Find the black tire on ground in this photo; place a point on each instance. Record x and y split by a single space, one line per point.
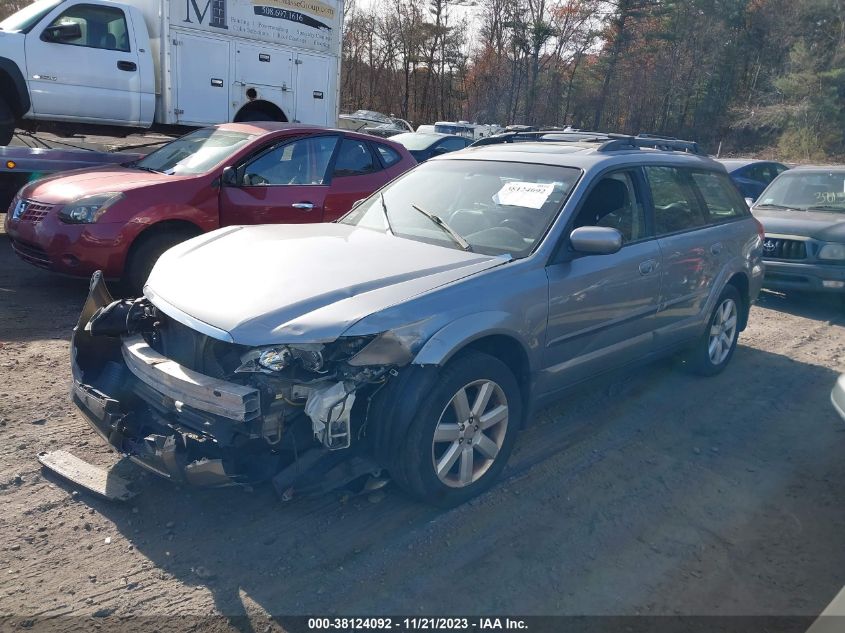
7 123
254 115
144 254
710 355
471 372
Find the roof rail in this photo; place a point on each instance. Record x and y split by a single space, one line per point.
609 142
621 142
544 136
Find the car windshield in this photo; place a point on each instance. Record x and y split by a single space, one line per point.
807 190
196 152
416 140
23 20
488 207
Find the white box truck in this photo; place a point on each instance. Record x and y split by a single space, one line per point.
138 63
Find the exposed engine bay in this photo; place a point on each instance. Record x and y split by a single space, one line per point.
195 408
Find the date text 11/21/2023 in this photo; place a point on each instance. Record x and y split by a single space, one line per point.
417 624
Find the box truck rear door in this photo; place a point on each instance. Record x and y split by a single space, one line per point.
202 80
315 89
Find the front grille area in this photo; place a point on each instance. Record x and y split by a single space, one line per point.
195 350
35 211
776 248
32 254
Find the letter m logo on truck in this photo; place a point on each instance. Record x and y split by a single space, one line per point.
218 12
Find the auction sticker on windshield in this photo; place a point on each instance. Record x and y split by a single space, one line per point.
531 195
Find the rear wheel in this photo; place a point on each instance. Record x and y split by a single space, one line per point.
145 253
7 123
463 434
716 347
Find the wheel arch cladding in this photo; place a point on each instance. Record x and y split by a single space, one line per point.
740 282
13 87
511 352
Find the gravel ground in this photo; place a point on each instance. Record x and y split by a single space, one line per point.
655 492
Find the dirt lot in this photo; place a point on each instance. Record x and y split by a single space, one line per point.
653 493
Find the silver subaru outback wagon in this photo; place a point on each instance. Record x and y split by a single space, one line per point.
420 332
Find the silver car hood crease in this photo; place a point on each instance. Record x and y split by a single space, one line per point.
301 283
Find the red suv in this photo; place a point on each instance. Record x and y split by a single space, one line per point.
120 219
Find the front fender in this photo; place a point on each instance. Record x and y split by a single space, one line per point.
443 344
19 102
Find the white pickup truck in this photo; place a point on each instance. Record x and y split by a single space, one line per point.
137 63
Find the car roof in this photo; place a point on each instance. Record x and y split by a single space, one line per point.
584 155
732 164
818 168
262 128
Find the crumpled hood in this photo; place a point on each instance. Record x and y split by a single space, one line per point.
68 186
822 225
292 283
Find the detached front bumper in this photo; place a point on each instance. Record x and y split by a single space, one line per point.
134 398
815 277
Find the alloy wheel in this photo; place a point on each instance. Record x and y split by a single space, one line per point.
468 437
722 331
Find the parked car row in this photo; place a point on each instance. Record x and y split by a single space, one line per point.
119 219
389 318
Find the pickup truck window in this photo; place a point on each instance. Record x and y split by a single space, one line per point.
100 27
195 153
23 20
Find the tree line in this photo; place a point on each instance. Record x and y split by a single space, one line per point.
744 75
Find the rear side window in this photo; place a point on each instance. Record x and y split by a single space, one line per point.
720 196
676 206
389 156
354 159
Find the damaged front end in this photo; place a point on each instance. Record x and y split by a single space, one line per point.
194 408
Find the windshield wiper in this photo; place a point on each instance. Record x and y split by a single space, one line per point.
386 215
442 224
771 206
149 169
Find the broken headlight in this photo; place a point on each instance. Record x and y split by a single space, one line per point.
279 357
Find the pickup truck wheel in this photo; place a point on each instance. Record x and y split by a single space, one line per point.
463 434
712 353
144 255
7 123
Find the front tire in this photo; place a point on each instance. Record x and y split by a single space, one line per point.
712 353
145 254
7 123
461 437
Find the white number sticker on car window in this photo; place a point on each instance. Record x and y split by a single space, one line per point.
531 195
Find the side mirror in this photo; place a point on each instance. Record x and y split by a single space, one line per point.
357 203
230 177
596 240
62 32
749 202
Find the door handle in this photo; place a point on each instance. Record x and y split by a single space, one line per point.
647 267
127 66
305 206
716 248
